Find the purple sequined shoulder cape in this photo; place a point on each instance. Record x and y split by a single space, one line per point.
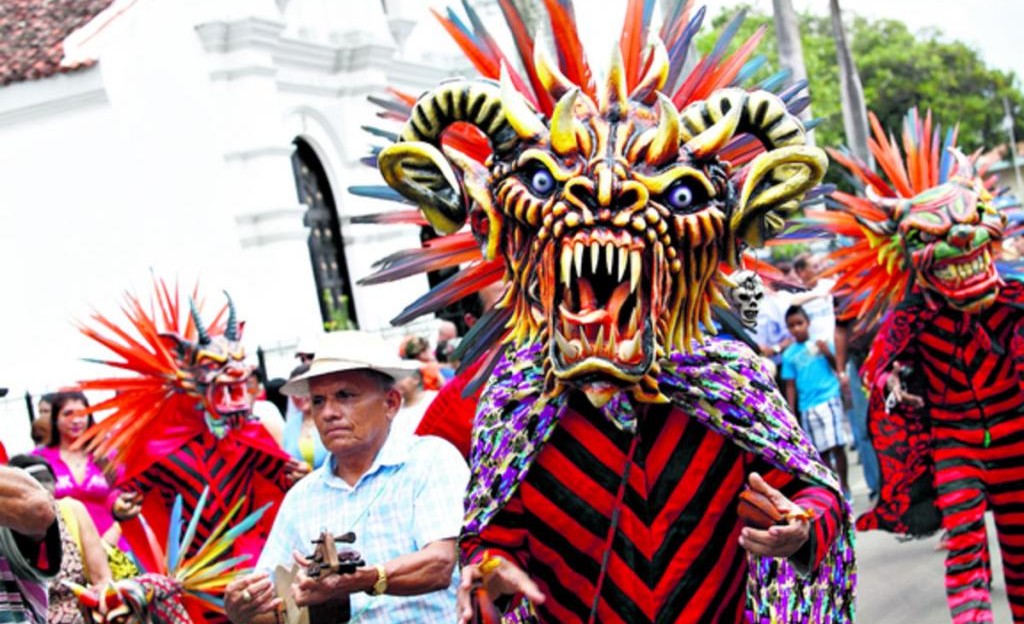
724 386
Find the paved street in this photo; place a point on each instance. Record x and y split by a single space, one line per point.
902 583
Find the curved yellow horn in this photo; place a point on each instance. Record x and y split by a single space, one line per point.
554 81
563 123
613 98
707 126
665 144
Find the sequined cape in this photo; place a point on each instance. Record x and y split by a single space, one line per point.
721 384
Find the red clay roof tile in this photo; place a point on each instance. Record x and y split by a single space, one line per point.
32 34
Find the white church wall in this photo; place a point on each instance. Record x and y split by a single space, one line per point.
172 157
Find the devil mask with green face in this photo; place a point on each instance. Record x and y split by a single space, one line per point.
929 227
948 235
613 214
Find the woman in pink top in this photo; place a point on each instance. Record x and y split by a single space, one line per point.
77 474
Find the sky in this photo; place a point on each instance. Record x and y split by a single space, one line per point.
993 27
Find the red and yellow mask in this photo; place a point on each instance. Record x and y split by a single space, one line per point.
212 369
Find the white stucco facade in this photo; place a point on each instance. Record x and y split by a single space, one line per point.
172 157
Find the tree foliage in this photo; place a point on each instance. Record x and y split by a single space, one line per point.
899 70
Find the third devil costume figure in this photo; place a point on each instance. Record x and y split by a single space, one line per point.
946 369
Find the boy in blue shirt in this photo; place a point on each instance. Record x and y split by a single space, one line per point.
813 391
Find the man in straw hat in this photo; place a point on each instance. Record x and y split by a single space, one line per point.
401 495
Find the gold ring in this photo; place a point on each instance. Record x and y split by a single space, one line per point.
246 596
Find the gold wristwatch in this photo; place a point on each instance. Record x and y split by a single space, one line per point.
381 586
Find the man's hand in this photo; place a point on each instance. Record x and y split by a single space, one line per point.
777 541
25 507
127 506
249 596
822 346
313 591
296 470
504 579
894 384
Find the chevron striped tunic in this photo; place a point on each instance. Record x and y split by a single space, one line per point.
675 555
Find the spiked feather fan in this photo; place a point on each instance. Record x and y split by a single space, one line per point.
152 396
195 582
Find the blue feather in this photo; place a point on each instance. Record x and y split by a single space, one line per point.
727 35
390 104
384 134
648 12
246 524
214 600
798 105
457 21
750 68
811 124
193 524
946 163
174 535
482 336
679 49
775 81
792 90
217 568
377 191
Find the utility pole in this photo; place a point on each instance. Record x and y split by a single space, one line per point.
855 118
1008 120
791 49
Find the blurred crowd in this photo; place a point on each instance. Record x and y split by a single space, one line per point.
361 421
389 399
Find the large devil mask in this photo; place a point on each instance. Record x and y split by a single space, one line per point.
612 216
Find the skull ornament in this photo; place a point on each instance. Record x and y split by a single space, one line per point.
746 297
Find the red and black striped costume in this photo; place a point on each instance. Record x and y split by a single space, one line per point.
548 493
965 449
676 555
244 464
181 422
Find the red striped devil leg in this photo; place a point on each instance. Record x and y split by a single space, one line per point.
967 569
1009 516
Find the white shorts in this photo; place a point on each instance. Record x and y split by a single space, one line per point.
825 424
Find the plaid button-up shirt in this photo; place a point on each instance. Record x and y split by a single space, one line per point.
411 496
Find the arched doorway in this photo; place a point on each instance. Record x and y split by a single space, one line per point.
326 246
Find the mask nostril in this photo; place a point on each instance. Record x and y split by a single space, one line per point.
628 198
581 193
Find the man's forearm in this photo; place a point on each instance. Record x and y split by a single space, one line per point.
25 507
421 572
842 339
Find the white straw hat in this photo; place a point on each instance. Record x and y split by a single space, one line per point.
341 351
